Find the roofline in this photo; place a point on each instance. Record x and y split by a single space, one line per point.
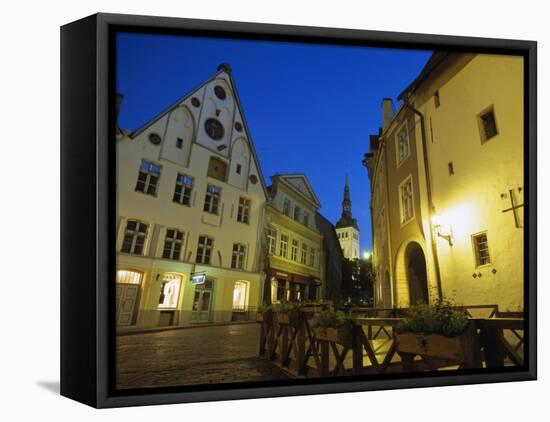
435 60
174 105
279 175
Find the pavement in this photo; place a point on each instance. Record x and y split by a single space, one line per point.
202 355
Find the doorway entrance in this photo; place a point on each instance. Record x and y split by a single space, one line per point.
127 292
416 274
202 302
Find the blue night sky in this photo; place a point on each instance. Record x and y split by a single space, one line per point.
310 108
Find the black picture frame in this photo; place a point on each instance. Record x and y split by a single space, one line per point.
88 206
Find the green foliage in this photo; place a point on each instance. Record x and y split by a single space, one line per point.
285 307
264 308
329 319
441 318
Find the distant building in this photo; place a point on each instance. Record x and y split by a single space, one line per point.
191 200
332 252
294 244
347 229
447 185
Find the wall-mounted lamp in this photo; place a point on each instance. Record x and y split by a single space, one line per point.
440 230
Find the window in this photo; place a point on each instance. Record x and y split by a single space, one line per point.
481 248
183 189
212 199
406 193
204 250
169 291
217 169
148 177
451 168
134 237
237 258
312 257
128 277
239 296
297 213
306 218
487 124
239 167
402 145
294 250
243 214
303 257
283 246
179 143
436 99
172 244
286 207
281 288
271 241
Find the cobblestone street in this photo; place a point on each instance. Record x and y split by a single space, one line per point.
202 355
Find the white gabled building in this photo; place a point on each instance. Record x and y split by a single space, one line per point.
191 200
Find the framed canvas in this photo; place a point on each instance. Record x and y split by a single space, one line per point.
210 249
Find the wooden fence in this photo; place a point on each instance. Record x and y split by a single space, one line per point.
369 346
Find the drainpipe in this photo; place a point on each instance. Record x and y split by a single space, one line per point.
429 192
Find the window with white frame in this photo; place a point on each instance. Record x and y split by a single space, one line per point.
297 213
403 148
243 213
183 190
306 218
172 244
294 250
481 248
283 245
406 200
286 207
303 257
238 255
271 240
134 237
312 257
148 177
204 250
212 199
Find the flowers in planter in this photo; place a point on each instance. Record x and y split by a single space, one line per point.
329 319
441 318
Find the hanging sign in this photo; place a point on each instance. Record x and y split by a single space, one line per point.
198 278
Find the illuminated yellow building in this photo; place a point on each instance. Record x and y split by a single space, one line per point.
447 183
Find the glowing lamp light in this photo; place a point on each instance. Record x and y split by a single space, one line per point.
441 230
366 255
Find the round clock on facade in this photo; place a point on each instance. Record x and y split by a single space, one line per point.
220 92
195 101
214 128
154 138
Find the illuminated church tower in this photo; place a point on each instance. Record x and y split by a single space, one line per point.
347 229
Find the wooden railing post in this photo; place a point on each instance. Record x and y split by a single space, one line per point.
301 344
357 350
324 369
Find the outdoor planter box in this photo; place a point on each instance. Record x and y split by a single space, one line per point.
341 335
459 348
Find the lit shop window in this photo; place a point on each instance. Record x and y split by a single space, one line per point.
128 277
169 291
239 296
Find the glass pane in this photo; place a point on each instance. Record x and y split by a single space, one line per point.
205 301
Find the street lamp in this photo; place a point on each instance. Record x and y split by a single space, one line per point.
366 255
441 230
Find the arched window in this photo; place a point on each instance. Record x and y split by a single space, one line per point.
239 296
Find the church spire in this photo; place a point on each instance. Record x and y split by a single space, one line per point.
346 220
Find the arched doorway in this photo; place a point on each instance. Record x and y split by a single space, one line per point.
415 264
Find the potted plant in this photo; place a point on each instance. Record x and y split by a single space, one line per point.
439 331
264 314
329 325
287 312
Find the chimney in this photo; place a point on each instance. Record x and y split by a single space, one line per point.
387 112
